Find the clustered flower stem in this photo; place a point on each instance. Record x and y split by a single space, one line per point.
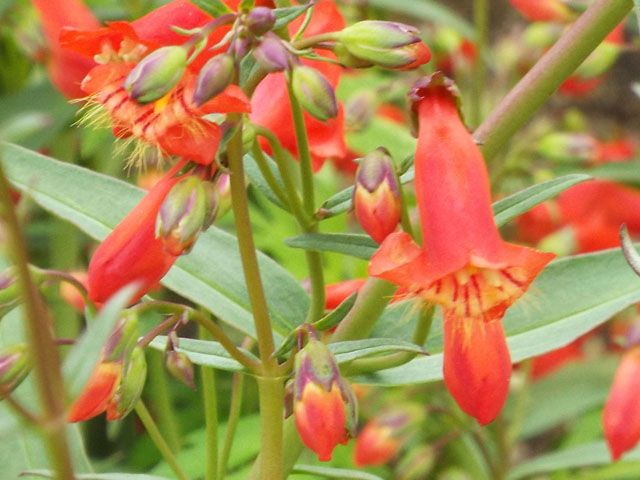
530 93
39 332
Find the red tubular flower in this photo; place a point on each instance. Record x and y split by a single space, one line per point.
66 69
336 293
463 265
621 414
543 10
96 396
131 252
270 102
375 445
174 123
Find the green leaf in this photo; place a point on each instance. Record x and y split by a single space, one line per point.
85 354
329 472
353 244
211 275
587 455
336 315
348 351
256 178
427 10
575 389
625 172
286 15
524 200
383 132
570 297
215 8
95 476
204 352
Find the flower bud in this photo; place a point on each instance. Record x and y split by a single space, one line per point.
130 388
568 147
15 364
182 215
383 436
325 407
156 74
212 204
387 44
98 392
376 196
600 60
314 92
348 60
621 414
69 292
223 186
216 75
416 465
180 367
260 20
271 54
123 338
359 110
9 291
241 45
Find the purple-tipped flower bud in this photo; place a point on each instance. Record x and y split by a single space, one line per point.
9 291
223 186
15 363
314 92
182 215
271 54
130 387
212 203
376 196
123 338
388 44
241 45
216 75
260 20
325 406
359 110
348 60
156 74
180 368
568 147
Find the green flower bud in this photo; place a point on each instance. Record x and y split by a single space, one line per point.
416 464
216 75
180 367
123 338
182 215
130 388
213 202
314 92
568 147
156 74
15 364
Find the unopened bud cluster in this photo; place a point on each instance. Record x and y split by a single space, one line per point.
178 363
189 208
15 364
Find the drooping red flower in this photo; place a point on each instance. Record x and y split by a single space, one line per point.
97 395
463 265
543 10
375 445
173 123
131 252
66 68
270 102
621 414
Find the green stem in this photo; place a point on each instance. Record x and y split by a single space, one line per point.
248 251
237 389
157 390
158 440
19 409
420 335
548 73
46 364
268 175
211 416
405 220
314 259
308 42
271 391
481 23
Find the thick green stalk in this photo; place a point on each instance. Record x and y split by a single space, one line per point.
158 440
210 415
549 73
46 366
314 259
248 251
481 23
158 393
271 390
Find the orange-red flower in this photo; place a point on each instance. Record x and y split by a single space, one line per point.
270 102
131 252
621 414
97 395
543 10
463 265
66 68
173 124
